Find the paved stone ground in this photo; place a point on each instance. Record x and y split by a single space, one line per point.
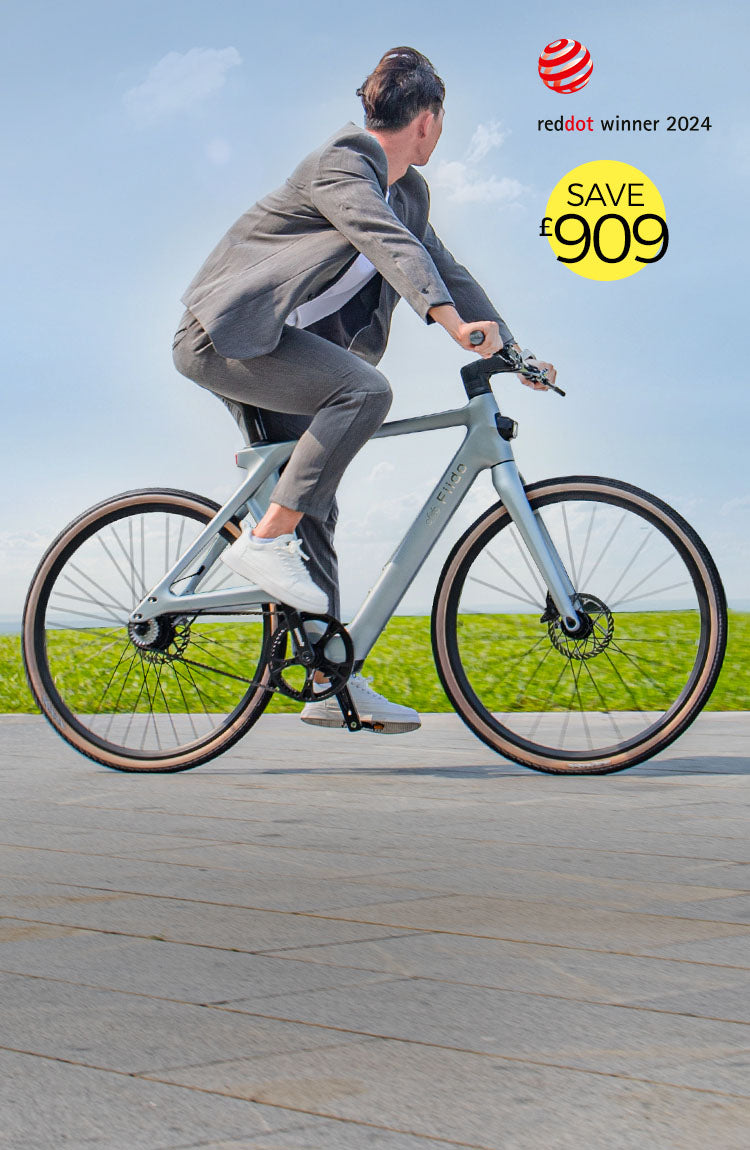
335 941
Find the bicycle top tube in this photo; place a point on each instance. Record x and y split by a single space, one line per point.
470 415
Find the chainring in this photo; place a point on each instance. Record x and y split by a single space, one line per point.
308 653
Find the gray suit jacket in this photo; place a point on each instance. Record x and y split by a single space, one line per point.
301 238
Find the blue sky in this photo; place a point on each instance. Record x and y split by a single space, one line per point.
138 132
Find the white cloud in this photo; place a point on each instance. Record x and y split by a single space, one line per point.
20 550
379 472
486 137
28 541
385 519
179 81
465 185
739 503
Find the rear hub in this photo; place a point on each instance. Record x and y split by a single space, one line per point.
160 640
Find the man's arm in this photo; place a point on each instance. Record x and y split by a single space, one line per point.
347 192
470 300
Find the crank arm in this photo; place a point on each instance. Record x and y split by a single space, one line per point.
352 720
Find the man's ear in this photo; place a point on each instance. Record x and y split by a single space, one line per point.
423 122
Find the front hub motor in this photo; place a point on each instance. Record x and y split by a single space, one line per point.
591 638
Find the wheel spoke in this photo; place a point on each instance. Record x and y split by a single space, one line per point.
129 560
123 653
194 643
570 547
115 710
513 579
659 591
629 593
638 664
166 702
605 709
594 509
196 688
188 711
604 551
550 698
529 565
128 582
106 610
107 594
643 544
503 591
84 615
147 667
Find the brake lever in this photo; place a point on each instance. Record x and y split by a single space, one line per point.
518 363
536 375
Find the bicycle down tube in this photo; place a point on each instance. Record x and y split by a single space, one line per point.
482 448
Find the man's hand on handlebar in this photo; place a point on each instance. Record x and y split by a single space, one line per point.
483 337
537 385
446 315
491 343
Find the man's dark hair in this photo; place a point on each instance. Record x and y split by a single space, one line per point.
403 84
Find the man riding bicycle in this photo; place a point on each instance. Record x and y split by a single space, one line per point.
290 313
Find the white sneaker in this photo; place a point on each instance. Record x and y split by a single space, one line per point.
386 718
277 568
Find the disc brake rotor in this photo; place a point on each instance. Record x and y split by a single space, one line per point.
596 637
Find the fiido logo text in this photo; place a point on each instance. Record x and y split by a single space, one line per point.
447 487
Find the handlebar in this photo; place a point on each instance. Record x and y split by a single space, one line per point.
476 375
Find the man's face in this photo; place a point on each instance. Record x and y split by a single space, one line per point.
433 126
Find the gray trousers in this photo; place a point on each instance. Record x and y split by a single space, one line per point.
307 389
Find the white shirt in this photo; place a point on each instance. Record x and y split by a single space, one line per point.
334 298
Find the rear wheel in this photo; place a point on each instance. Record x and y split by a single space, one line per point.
164 695
626 684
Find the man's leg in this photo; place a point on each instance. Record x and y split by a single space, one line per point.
346 398
316 534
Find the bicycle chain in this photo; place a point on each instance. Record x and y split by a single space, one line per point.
290 622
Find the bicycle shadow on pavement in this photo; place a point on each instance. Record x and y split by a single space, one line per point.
695 765
700 765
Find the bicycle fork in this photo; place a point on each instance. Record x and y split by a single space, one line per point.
509 487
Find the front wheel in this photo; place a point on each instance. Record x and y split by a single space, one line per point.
160 696
624 686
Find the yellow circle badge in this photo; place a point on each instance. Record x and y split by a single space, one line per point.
605 220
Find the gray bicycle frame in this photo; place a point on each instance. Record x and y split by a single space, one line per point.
482 447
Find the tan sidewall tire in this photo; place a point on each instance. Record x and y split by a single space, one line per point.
682 716
181 500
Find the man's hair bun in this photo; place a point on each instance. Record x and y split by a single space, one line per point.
403 84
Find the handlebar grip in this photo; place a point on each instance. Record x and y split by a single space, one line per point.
476 338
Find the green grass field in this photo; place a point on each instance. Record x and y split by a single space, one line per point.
402 667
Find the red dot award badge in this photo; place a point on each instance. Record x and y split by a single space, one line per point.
565 65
